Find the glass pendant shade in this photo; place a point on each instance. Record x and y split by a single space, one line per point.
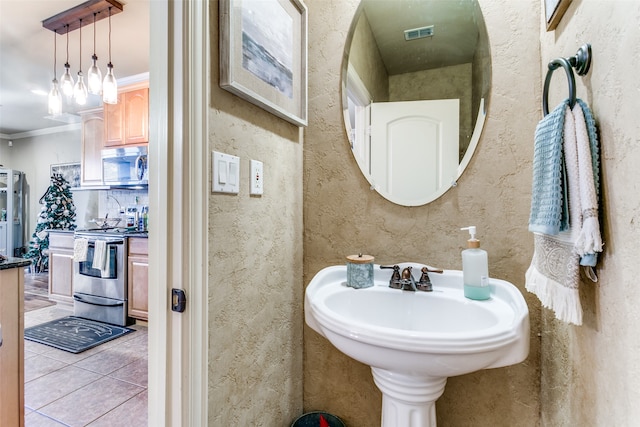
55 99
66 81
110 87
94 77
80 92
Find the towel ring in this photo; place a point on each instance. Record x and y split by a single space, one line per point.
581 61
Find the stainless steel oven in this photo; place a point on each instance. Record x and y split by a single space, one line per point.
101 294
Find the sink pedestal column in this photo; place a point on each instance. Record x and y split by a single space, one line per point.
408 400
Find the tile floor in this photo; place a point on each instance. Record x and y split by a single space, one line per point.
103 386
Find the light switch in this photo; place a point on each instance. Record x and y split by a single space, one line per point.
226 173
257 178
222 171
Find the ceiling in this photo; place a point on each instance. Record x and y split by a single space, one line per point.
454 40
26 58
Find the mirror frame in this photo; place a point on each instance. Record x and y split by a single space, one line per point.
475 136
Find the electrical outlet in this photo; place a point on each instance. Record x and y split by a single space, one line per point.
257 178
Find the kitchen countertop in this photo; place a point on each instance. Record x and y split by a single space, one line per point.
14 263
142 234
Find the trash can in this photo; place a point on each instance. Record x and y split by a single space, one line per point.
315 419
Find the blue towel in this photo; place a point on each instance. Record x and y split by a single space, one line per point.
549 202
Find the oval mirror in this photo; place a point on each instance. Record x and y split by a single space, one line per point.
415 86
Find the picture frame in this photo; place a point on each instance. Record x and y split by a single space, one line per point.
553 12
263 55
70 172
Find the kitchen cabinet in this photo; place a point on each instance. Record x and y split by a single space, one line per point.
92 142
12 347
127 122
138 278
61 266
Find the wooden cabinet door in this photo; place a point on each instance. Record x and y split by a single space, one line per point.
136 117
138 278
127 122
92 142
139 287
12 349
61 275
114 123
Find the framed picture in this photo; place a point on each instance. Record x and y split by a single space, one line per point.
553 11
70 172
263 55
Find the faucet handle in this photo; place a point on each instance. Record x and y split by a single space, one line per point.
424 284
394 282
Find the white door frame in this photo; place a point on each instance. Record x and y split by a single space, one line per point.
178 204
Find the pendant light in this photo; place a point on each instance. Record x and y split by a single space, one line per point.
94 76
55 99
80 90
110 85
66 81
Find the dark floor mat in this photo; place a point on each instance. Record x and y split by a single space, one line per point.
74 334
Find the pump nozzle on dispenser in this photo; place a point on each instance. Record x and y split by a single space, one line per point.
472 231
473 242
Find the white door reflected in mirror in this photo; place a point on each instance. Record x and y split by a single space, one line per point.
414 148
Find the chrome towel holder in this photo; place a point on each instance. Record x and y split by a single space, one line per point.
581 61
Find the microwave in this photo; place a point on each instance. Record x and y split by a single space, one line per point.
126 166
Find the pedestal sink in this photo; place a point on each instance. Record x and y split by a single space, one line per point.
414 341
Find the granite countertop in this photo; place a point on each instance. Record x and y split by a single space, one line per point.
11 262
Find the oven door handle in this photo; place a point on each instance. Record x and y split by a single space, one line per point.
89 301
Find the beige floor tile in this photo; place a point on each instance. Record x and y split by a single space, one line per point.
135 373
134 411
57 384
37 366
34 419
90 402
108 361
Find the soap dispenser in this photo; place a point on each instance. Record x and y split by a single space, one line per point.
475 269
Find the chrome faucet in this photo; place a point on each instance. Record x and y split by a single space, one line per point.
120 209
406 282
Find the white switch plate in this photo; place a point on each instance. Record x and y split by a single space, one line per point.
225 173
257 178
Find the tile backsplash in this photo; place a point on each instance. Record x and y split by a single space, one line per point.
97 203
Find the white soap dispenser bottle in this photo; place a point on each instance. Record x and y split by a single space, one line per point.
475 268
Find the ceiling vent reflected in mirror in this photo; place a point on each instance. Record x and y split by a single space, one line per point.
418 33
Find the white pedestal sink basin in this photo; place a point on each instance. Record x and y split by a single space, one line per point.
413 341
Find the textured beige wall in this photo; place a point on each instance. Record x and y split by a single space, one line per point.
367 62
591 373
342 216
255 295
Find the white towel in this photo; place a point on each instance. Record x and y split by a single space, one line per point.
80 249
104 271
99 254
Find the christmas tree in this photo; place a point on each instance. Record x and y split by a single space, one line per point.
58 213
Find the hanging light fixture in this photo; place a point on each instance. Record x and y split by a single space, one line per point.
55 99
80 90
94 76
66 81
70 20
110 85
